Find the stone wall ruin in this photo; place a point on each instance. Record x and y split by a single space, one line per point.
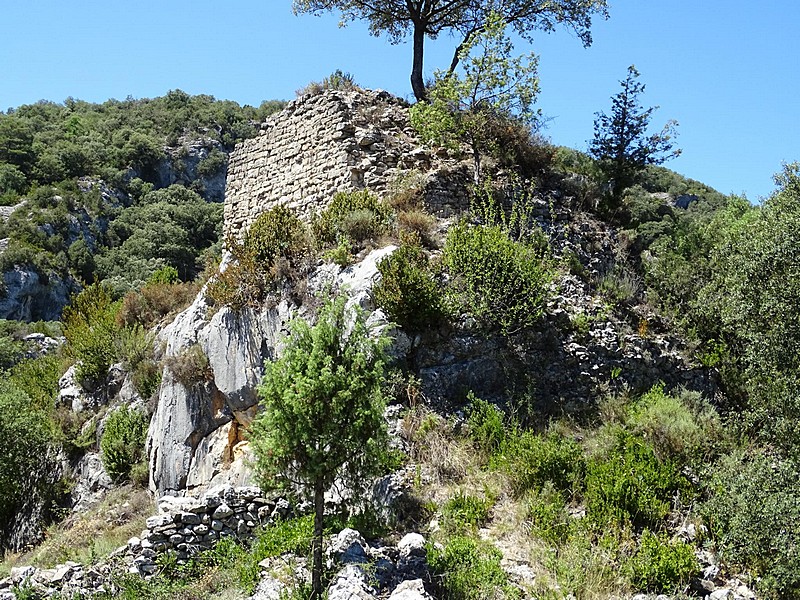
330 142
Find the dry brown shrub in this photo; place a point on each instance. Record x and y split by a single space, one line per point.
417 222
190 367
434 444
155 301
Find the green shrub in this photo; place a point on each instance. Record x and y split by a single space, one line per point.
407 290
38 378
338 80
548 516
678 426
754 517
351 217
10 352
497 280
272 251
339 255
290 536
629 484
26 461
660 564
122 443
470 570
464 512
90 328
276 233
486 426
532 460
164 275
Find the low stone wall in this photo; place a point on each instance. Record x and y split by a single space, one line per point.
189 525
183 525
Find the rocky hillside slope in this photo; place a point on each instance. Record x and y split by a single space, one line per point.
596 349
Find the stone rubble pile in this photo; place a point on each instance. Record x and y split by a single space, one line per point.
184 525
362 571
188 525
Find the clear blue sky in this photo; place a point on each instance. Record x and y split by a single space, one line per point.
726 71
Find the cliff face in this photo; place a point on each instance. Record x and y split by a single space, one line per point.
196 437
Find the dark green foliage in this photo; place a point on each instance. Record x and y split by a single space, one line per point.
12 183
122 443
322 412
497 280
10 352
470 570
351 217
46 146
748 297
630 485
754 515
169 227
276 233
486 426
327 384
26 455
407 290
661 565
621 144
90 328
532 460
464 512
338 80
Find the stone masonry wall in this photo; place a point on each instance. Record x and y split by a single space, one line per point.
329 142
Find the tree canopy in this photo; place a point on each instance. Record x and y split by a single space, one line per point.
463 18
621 144
491 88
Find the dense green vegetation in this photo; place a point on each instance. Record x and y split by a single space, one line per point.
90 176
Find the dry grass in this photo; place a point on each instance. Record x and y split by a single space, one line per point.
87 537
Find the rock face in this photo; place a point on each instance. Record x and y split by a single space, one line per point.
188 164
29 296
195 437
330 142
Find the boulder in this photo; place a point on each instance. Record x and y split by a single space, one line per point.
411 589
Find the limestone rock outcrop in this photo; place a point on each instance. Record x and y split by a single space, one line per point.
195 438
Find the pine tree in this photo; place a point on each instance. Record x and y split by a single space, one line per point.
621 144
321 418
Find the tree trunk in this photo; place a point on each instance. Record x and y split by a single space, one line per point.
477 174
319 515
417 81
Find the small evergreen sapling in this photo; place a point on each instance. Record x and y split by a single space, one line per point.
321 420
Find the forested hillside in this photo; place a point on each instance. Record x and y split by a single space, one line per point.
88 192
